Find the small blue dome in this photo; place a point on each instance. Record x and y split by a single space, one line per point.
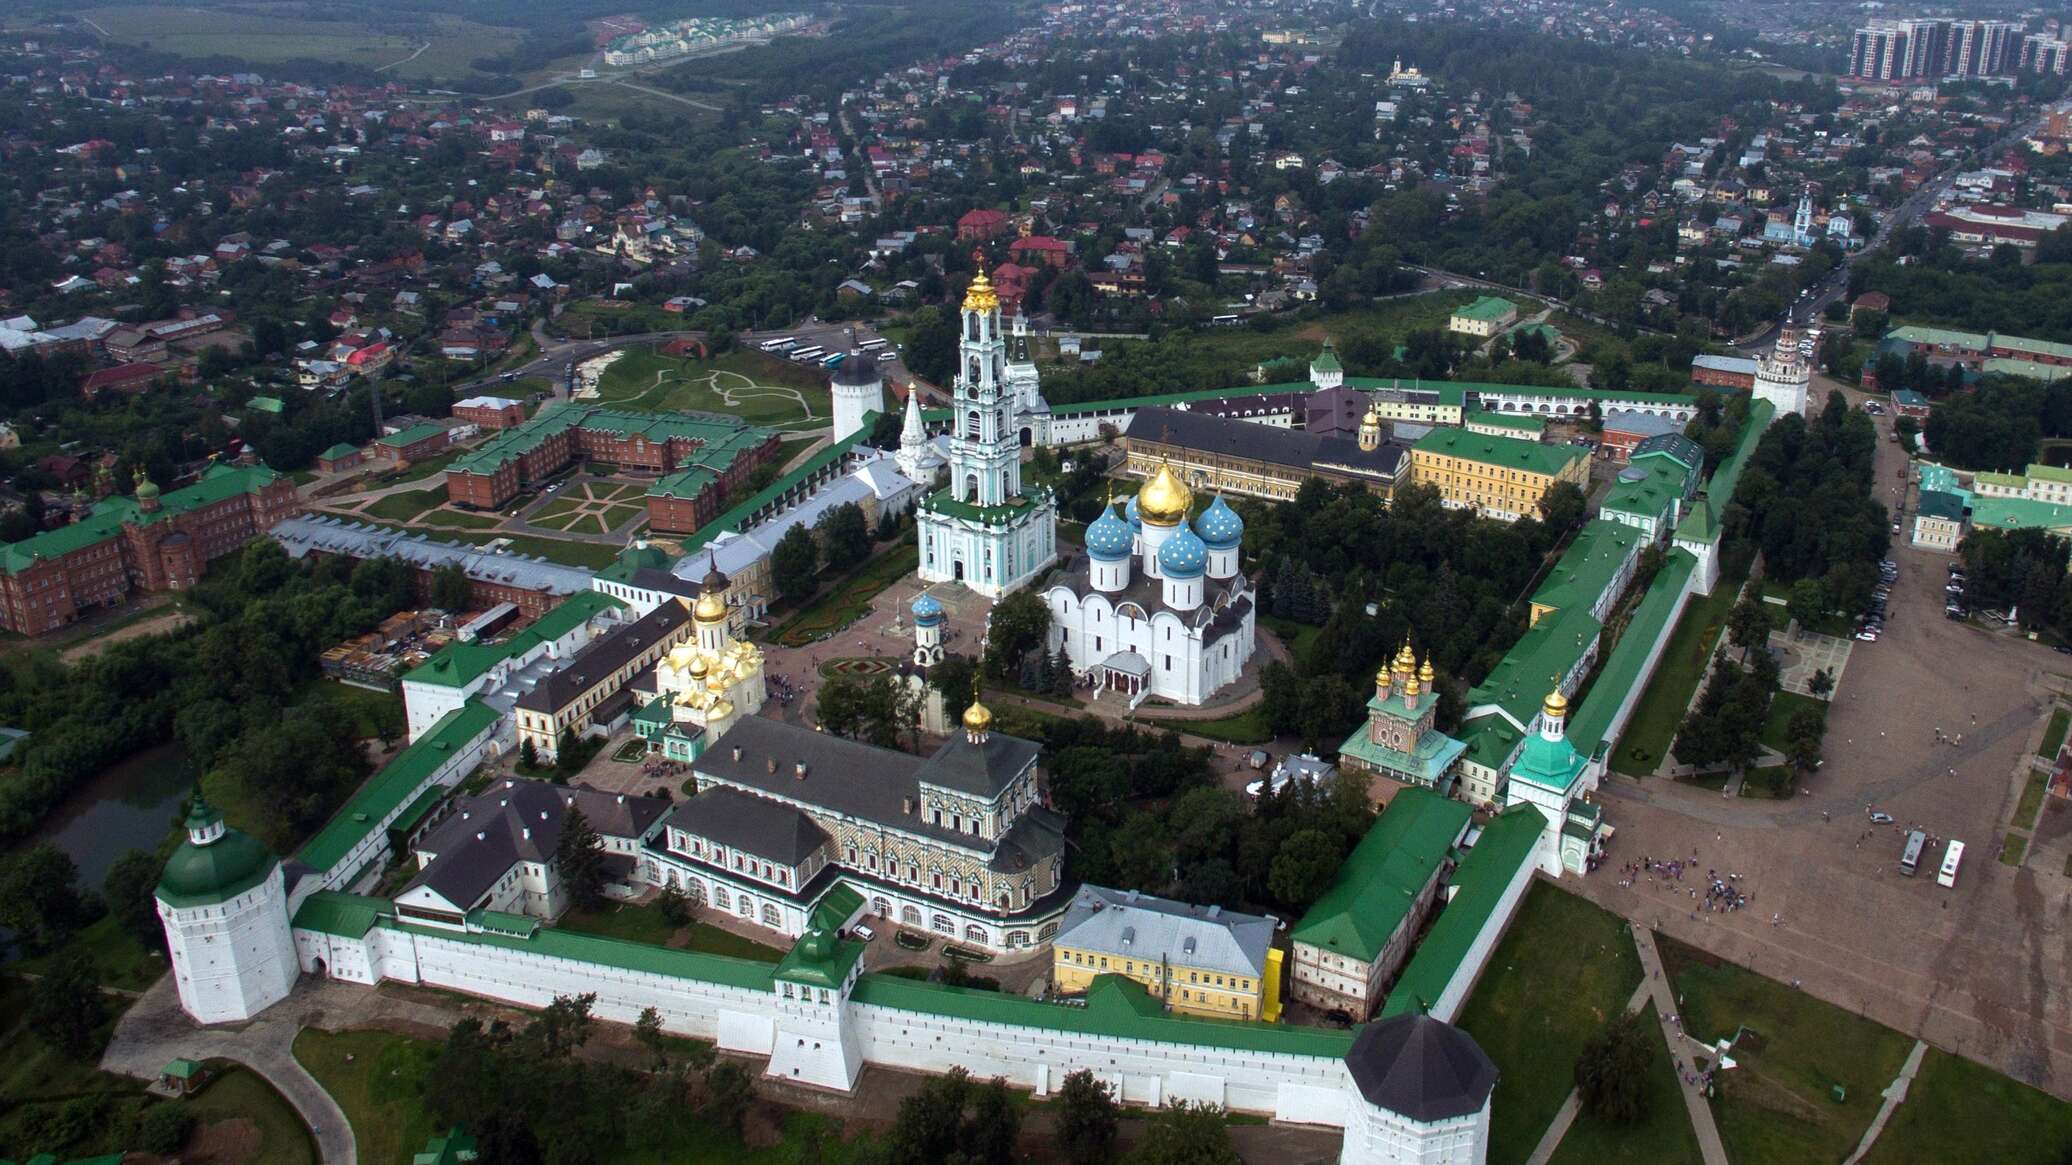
1108 537
1220 526
1184 555
927 610
1135 516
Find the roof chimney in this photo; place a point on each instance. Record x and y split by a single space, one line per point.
906 806
770 765
800 770
527 831
622 798
737 752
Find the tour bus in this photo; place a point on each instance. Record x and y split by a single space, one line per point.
808 355
1910 861
872 345
779 344
1952 858
1223 321
834 361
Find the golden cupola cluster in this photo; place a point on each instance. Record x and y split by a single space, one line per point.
1165 500
980 296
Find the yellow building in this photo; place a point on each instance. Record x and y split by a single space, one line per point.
1498 477
1202 960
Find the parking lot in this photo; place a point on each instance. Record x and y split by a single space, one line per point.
1933 727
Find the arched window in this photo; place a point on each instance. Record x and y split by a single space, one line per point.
941 922
719 897
910 916
974 933
770 915
881 908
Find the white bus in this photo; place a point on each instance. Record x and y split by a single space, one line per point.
1952 858
1910 858
872 345
808 355
779 344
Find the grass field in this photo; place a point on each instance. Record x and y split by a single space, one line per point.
1661 1137
644 924
2031 804
419 470
2054 735
1782 706
405 506
238 1094
1959 1113
2011 849
459 520
1247 727
120 962
1534 1034
377 1078
849 597
263 33
1778 1106
1661 708
758 388
1298 636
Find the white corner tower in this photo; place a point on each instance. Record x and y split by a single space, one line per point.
224 905
859 389
1417 1090
1325 371
1782 377
983 529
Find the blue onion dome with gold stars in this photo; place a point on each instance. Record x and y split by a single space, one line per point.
1108 537
1219 525
1134 513
1184 555
927 610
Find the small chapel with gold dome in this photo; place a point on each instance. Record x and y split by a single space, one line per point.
706 684
1157 605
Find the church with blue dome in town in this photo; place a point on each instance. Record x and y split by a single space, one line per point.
1156 606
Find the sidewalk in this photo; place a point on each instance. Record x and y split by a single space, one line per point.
1665 1013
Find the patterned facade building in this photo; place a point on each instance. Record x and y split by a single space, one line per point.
149 542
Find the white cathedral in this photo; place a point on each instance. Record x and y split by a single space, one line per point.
983 529
1158 606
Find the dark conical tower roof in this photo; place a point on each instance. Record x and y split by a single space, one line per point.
859 368
1422 1068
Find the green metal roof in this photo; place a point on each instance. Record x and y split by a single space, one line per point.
555 943
1383 876
1934 503
1505 844
1944 337
2054 473
836 907
2019 514
1115 1008
341 915
1434 755
1536 663
1490 741
342 449
1697 524
200 875
1654 496
1620 672
460 664
1446 392
632 560
1550 764
411 435
942 501
2034 370
266 404
110 513
1508 452
737 515
819 959
1524 422
1488 309
399 781
720 439
1585 570
1327 360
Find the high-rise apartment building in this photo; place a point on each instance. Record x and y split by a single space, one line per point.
1908 50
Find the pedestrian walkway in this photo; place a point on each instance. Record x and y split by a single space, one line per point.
1657 983
1574 1104
1894 1093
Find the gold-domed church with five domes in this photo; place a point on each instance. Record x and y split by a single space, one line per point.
710 682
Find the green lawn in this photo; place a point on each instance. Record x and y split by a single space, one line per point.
1298 636
1777 1105
368 707
1782 706
2031 804
265 35
1662 1137
1661 709
377 1078
1959 1113
848 598
2011 848
1770 783
644 924
459 520
2054 736
402 507
754 386
419 470
1533 1033
1247 727
239 1094
121 962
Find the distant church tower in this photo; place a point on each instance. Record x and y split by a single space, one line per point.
858 389
1782 377
224 905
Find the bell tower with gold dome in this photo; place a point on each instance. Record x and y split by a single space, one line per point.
984 529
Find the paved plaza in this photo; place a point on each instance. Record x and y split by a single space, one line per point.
1984 969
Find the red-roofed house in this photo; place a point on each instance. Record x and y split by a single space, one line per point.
979 225
1033 249
122 378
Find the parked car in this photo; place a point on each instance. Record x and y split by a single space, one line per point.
1881 819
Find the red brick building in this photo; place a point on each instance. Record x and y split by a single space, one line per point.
977 226
1733 373
414 443
148 542
491 412
698 459
133 377
339 457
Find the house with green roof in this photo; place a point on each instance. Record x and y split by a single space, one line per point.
1399 740
357 838
1555 652
464 668
1593 572
1359 931
1497 477
1484 317
1482 898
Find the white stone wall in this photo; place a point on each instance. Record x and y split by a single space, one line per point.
1380 1137
1469 972
232 960
423 704
373 847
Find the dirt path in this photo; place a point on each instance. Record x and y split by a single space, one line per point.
171 619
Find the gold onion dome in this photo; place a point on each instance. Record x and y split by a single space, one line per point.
715 683
980 296
1556 705
710 609
698 665
1405 660
978 717
1165 499
1426 673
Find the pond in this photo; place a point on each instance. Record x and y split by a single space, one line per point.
130 805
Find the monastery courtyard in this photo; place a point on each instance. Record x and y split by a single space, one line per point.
1968 968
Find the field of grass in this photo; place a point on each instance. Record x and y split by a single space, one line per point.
1782 706
378 1079
1777 1105
1770 783
846 601
2054 735
402 507
1247 727
121 963
2031 804
1663 1135
1661 709
1393 318
1959 1113
2011 849
756 387
419 470
272 33
459 520
1534 1034
369 708
239 1094
1298 636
